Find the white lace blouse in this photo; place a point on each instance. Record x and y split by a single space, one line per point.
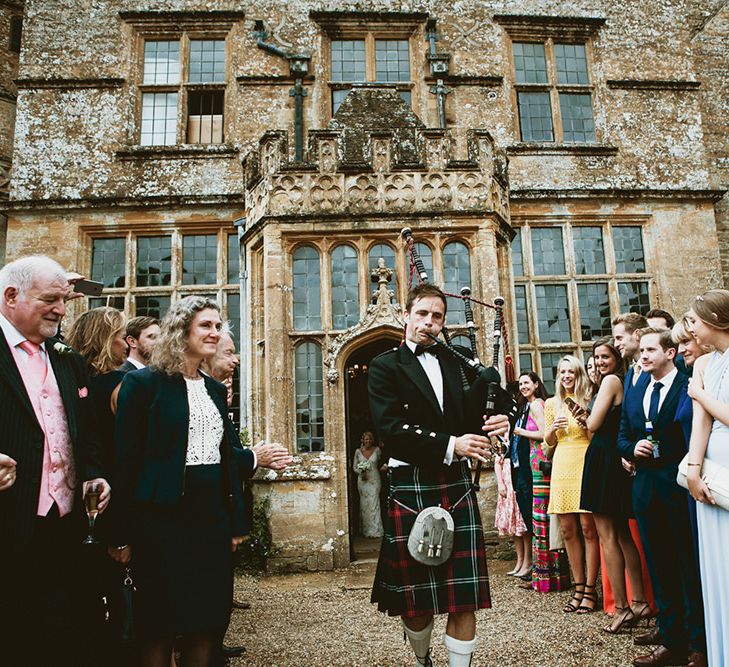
205 430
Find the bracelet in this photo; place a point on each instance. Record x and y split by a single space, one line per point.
698 465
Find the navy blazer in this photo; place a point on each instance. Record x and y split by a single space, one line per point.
150 449
666 428
405 410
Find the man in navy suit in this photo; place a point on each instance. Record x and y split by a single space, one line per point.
624 327
651 437
140 337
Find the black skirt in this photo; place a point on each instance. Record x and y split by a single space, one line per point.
182 560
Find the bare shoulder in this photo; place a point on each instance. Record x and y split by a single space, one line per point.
701 363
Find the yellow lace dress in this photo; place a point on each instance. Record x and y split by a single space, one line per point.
567 464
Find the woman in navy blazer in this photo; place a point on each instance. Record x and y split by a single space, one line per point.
177 480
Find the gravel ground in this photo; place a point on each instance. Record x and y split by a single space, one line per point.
308 620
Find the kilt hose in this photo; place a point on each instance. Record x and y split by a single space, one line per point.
404 587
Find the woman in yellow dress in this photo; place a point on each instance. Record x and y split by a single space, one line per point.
569 439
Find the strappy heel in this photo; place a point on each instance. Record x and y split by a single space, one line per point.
574 602
645 614
625 618
589 594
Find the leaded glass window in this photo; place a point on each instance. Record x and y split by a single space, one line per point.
589 252
108 262
628 244
426 256
348 60
154 261
456 274
199 259
634 297
159 119
233 259
550 362
522 314
594 305
547 74
517 257
553 315
309 398
151 306
388 254
345 287
307 289
392 60
530 63
207 61
161 62
547 251
535 117
525 363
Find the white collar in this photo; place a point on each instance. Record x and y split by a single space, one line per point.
136 364
666 380
12 335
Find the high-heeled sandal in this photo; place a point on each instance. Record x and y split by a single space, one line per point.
624 618
591 595
573 604
645 614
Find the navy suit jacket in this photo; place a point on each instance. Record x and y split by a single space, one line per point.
654 475
150 449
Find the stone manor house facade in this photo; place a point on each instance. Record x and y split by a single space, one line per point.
571 156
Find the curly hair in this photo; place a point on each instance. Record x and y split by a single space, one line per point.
92 336
168 354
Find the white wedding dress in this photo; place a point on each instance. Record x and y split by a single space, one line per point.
368 485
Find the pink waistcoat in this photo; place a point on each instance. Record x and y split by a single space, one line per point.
58 479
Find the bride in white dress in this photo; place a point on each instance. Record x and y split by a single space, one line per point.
367 468
708 320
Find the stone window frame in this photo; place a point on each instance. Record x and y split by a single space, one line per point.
300 342
371 27
549 31
226 293
533 348
182 26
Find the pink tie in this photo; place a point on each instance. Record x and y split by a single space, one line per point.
36 362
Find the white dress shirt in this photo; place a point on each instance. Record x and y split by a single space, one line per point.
666 381
15 338
431 366
137 364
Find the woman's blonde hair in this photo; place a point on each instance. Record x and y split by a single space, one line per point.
681 334
712 308
168 354
92 336
583 385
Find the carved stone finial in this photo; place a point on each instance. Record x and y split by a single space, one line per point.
382 276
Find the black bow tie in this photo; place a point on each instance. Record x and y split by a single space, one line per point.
429 349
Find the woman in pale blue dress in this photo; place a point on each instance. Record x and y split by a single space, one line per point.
708 320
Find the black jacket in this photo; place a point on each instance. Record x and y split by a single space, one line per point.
23 438
405 411
150 445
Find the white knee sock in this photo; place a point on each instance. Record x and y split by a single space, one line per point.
459 651
419 640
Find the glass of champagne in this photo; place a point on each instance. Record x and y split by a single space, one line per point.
91 499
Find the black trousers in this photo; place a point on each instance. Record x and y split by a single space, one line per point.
665 531
40 618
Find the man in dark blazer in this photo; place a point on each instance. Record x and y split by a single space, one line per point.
140 336
430 427
653 439
48 456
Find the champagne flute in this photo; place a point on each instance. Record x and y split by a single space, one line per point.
91 500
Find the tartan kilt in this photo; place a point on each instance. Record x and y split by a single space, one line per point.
404 587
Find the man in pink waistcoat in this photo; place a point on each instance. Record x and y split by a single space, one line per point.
48 456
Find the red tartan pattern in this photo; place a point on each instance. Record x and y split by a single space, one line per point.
404 587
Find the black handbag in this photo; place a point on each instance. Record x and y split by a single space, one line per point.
545 467
120 613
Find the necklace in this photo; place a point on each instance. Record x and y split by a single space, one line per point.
191 377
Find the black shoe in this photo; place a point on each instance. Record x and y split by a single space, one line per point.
233 651
649 638
237 604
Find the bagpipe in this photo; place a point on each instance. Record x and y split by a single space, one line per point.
471 364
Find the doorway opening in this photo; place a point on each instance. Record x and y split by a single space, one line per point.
359 422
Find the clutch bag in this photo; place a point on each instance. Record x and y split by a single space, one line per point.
714 475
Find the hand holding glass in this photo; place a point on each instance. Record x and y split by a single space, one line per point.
91 499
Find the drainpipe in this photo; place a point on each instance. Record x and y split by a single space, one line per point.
298 68
439 67
245 332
